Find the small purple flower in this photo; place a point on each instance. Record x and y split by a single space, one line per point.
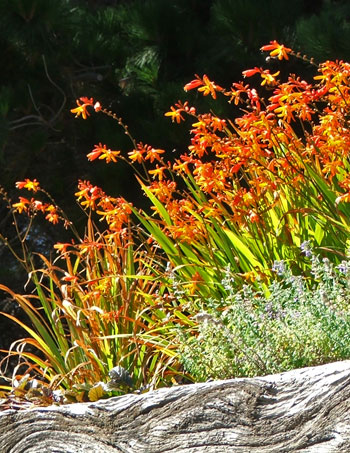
306 248
279 267
344 267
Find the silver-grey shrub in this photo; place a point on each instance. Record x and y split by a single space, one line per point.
292 324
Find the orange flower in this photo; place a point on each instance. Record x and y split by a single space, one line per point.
90 194
62 247
39 205
254 217
101 152
52 215
194 283
81 109
185 107
163 189
179 166
95 153
193 84
153 154
269 79
136 155
22 205
175 114
254 98
331 168
86 100
206 86
209 87
251 72
277 50
116 215
158 172
28 184
237 90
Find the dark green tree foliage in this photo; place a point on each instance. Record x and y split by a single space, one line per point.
134 56
326 35
242 27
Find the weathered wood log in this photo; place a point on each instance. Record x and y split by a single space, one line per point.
305 410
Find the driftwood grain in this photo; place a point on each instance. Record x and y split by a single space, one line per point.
305 410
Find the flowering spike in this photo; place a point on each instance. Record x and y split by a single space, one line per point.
277 50
28 184
251 72
82 108
193 84
101 152
205 85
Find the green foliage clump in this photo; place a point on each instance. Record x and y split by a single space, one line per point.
293 324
